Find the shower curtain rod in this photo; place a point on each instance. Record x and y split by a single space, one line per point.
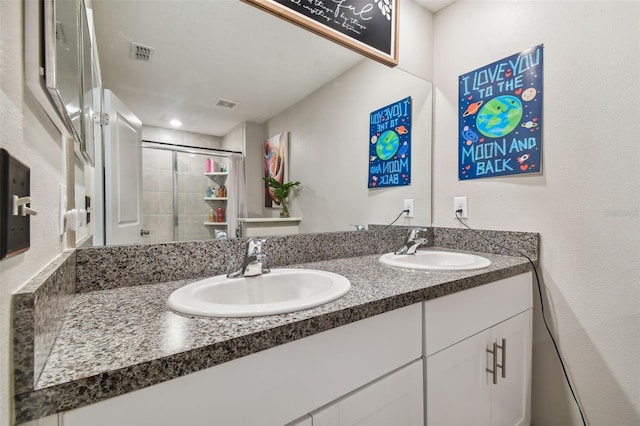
189 149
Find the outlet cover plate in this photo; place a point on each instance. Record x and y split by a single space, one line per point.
460 203
408 205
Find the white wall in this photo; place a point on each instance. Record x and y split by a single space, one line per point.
254 136
27 133
329 135
586 202
329 149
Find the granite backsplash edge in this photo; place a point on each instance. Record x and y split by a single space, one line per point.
38 312
102 268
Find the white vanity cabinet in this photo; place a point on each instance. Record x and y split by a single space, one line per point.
278 385
372 371
467 336
396 399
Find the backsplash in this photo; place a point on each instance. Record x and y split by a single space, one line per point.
508 243
39 309
103 268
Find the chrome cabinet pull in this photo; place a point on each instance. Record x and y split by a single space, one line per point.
503 366
494 354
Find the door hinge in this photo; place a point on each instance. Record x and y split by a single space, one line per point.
101 118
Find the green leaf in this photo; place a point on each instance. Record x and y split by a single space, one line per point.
280 190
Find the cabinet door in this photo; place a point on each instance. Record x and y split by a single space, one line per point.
458 386
395 399
510 401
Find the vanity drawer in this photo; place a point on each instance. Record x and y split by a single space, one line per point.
453 318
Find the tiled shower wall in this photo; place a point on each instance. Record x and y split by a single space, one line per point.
193 210
157 195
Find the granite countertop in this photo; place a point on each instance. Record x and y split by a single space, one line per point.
119 340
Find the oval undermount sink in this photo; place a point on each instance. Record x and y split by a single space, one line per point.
436 260
280 291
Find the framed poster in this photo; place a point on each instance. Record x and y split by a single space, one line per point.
500 117
390 145
276 164
369 27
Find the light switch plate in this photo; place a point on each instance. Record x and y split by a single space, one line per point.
15 230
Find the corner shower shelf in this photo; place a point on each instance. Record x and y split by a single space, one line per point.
216 198
216 173
215 223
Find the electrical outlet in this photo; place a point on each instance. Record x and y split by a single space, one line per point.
460 203
408 205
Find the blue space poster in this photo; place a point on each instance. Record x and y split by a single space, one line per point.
390 145
500 121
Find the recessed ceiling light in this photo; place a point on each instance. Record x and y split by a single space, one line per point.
175 123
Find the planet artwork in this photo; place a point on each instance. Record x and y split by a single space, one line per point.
472 108
499 116
387 145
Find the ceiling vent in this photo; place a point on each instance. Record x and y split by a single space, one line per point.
226 104
140 52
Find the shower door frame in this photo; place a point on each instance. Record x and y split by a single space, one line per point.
187 149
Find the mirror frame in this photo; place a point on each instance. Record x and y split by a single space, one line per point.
288 13
51 63
82 135
88 83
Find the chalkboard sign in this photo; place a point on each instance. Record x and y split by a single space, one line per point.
366 26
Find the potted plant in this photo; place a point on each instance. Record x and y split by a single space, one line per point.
281 193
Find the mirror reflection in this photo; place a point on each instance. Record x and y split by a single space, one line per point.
63 61
197 57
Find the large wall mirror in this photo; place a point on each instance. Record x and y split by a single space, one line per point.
177 60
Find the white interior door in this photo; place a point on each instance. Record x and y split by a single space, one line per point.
123 173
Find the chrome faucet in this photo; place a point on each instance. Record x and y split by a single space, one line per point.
255 261
412 241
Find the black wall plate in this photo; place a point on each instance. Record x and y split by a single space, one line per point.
15 231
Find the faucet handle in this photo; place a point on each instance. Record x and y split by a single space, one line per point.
412 242
254 245
413 233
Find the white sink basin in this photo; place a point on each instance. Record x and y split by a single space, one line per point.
282 290
436 260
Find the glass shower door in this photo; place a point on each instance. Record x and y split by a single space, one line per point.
192 207
157 195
